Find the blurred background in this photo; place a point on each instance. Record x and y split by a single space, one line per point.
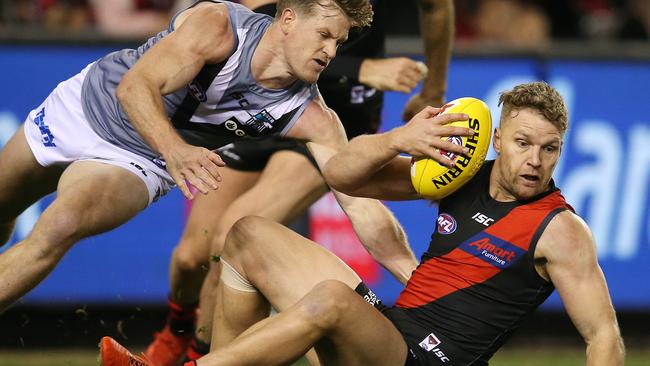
595 52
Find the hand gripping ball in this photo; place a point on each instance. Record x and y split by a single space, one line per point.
435 181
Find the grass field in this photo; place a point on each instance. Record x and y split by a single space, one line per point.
507 357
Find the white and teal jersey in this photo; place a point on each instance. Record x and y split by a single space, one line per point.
222 104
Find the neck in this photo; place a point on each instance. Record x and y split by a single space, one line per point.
496 188
269 66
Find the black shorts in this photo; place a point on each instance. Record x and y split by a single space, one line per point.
359 107
426 347
252 155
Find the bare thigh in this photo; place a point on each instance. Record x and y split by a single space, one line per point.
102 196
359 334
287 187
22 180
208 210
283 265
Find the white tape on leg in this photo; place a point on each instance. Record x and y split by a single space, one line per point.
234 279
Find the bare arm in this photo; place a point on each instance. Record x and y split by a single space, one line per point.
568 252
378 230
203 36
376 227
437 32
370 165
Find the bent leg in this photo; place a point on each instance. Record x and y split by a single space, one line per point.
189 261
188 266
91 198
282 265
22 181
287 187
344 328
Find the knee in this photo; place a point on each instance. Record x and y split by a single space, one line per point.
189 257
58 231
243 235
326 304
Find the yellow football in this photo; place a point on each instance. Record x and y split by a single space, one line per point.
435 181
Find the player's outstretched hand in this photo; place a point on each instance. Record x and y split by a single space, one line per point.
194 165
392 74
421 136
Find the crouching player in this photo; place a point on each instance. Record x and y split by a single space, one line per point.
474 285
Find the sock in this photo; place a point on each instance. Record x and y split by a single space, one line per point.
181 318
196 350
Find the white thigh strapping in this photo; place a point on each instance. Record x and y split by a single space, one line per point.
58 132
233 279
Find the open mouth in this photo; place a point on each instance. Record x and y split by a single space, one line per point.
530 178
320 62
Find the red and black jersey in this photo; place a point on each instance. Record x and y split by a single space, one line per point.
477 281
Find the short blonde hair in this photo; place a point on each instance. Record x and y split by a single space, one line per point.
538 96
358 11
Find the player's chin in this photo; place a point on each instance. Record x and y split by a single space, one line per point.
525 192
311 77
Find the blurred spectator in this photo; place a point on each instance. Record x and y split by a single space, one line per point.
51 14
132 18
635 20
71 15
512 23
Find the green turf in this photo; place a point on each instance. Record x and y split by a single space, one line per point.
526 357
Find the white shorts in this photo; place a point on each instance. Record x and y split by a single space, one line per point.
58 133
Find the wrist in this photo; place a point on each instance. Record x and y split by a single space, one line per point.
392 140
365 69
167 145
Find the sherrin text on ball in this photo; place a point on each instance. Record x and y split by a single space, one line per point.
435 181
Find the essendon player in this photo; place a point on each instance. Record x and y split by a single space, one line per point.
506 241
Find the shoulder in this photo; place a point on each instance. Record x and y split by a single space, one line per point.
319 123
566 234
207 27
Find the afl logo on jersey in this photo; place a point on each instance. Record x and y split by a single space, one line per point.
446 224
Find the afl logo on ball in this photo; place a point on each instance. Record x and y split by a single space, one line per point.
446 224
456 140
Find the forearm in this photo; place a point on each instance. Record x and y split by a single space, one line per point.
381 234
437 31
144 106
606 350
355 164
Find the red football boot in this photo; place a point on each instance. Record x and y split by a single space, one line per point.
113 354
168 348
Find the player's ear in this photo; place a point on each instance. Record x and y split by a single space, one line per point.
496 140
287 19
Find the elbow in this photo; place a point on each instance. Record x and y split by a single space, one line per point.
123 89
336 181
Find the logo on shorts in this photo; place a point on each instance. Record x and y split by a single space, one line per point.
359 94
140 168
431 343
197 92
48 137
160 162
446 224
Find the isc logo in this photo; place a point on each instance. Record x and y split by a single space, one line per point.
482 219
